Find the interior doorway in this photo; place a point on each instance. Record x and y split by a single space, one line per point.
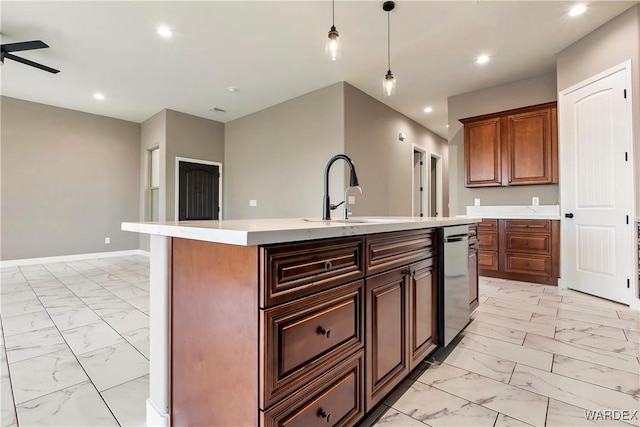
435 208
198 195
597 190
418 193
426 189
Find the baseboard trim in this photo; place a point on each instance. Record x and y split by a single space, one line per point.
66 258
155 418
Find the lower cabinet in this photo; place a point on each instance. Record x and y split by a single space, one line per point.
298 334
335 399
400 325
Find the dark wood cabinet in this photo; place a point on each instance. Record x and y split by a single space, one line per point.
297 334
515 147
387 339
527 250
482 153
401 325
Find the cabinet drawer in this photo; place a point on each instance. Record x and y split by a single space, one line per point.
538 265
528 243
488 225
488 240
488 260
530 226
336 399
299 269
305 337
389 250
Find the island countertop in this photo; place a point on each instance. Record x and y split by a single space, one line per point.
249 232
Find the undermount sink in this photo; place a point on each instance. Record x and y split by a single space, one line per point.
359 220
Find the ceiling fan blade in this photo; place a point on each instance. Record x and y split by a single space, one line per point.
31 63
17 47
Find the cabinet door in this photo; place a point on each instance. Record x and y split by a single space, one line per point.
386 333
530 148
482 153
422 312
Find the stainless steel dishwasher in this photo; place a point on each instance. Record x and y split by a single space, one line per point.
453 283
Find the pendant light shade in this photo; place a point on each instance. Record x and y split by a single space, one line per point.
331 48
389 82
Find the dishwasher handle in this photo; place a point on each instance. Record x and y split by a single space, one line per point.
457 238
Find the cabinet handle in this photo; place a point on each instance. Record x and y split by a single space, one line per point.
328 265
324 415
323 331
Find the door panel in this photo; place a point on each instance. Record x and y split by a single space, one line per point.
597 188
199 191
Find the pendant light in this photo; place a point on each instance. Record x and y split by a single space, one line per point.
332 42
389 82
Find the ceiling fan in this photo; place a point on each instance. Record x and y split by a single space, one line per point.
6 49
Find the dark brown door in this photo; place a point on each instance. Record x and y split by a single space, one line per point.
199 192
422 316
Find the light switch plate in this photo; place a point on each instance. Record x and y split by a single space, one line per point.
476 202
352 200
253 203
535 201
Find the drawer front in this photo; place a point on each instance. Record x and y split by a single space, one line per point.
295 270
335 399
529 226
528 243
389 250
488 225
537 265
305 337
488 240
488 260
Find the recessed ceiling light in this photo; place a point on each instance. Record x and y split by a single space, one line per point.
232 89
98 96
578 9
482 59
428 110
165 31
447 126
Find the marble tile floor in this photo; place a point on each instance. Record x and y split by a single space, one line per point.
532 355
75 343
75 350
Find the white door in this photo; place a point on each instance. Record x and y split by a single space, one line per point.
597 186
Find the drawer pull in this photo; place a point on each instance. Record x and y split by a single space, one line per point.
324 415
328 266
325 332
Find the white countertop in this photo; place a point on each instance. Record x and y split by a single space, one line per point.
265 231
515 212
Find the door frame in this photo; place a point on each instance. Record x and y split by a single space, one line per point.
425 201
438 158
426 180
177 182
633 300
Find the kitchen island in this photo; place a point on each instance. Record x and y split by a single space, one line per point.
287 321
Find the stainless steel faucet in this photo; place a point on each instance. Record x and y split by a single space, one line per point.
353 182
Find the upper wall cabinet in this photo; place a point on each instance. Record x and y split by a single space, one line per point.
515 147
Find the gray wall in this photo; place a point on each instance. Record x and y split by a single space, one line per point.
536 90
385 164
277 157
191 137
68 179
613 43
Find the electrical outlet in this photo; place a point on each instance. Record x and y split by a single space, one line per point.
107 240
352 200
535 201
476 202
253 203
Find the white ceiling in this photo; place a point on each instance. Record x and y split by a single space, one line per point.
274 51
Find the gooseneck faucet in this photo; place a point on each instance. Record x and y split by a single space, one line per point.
353 182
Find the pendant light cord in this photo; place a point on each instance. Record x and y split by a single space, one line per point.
388 41
333 13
